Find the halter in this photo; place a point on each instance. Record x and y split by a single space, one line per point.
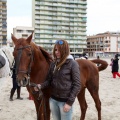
18 61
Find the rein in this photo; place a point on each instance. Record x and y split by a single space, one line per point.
18 60
40 97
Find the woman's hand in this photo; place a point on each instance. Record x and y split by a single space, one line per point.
37 88
66 108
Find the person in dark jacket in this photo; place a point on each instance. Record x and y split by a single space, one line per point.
15 85
98 63
85 55
115 67
64 79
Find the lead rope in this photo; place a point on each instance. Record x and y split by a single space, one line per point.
40 97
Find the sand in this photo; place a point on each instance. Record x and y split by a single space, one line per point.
109 91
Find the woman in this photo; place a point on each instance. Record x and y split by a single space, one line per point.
64 77
115 67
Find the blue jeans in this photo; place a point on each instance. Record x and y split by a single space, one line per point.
56 108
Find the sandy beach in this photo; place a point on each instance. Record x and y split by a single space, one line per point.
109 91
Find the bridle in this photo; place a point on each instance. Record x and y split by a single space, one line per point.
40 93
18 60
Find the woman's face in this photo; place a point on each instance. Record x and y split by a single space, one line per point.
57 52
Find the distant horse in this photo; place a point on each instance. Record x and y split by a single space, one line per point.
5 70
8 53
33 66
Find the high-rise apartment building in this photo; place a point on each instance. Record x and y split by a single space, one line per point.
60 19
3 22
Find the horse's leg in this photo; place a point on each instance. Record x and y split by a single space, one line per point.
34 99
39 109
93 89
42 109
83 104
36 103
47 109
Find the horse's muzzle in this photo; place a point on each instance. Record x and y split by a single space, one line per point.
23 82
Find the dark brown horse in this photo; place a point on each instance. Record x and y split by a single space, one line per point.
33 66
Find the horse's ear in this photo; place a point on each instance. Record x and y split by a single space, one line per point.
14 39
29 39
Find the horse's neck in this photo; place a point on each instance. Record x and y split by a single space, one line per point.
39 69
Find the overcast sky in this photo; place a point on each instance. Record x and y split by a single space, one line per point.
102 15
19 13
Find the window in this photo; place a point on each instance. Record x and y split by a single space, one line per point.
29 31
19 31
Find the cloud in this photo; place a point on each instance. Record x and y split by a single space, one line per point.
102 16
12 22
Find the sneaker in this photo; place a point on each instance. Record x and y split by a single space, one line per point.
19 98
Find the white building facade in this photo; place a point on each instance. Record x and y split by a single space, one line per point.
103 44
60 19
3 23
22 31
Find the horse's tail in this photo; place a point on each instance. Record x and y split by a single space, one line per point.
102 64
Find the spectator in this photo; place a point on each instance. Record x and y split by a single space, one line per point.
115 67
84 56
15 85
98 63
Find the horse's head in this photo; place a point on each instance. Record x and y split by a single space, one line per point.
23 55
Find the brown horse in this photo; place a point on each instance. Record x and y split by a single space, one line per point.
33 66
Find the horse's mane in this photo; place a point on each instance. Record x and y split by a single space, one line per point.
47 56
